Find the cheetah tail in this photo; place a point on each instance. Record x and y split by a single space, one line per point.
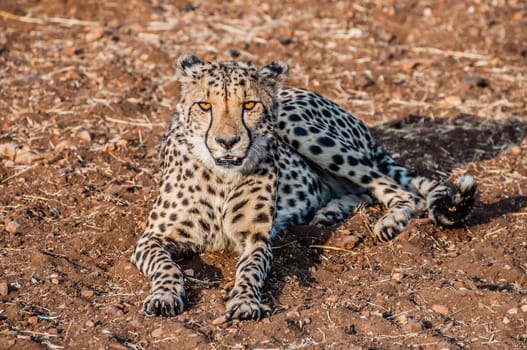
451 202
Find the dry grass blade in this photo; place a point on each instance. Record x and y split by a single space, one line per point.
67 22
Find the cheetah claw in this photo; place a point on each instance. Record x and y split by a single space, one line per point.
246 310
164 304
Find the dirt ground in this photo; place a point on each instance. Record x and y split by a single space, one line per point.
87 87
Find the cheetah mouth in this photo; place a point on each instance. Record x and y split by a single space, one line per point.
229 160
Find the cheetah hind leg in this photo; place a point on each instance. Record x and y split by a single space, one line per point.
339 208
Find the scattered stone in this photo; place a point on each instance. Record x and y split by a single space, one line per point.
89 324
513 311
401 319
136 323
293 314
33 320
412 326
117 346
8 150
440 309
331 299
363 81
116 309
397 276
515 150
158 332
189 272
451 101
83 135
94 34
88 293
506 320
53 331
12 227
476 81
4 288
524 308
219 320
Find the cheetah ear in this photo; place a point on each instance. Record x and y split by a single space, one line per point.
188 66
275 73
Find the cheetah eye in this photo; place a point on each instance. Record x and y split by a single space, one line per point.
205 106
249 105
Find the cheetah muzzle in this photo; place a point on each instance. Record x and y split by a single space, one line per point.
244 158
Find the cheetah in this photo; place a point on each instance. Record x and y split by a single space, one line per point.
245 157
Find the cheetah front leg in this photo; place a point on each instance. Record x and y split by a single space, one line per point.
248 219
153 255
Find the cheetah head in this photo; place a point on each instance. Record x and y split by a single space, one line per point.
228 110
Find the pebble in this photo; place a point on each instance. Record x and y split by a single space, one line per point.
412 326
94 34
440 309
12 227
89 324
524 308
401 319
33 320
506 320
4 288
397 276
88 293
512 311
53 331
331 299
156 333
83 135
113 309
476 81
117 346
515 150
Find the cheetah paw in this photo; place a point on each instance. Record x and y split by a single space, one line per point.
389 226
326 219
246 309
164 303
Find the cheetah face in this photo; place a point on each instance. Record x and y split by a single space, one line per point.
228 109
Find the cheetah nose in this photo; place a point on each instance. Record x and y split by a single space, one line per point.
227 143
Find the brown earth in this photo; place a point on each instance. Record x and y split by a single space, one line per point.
86 89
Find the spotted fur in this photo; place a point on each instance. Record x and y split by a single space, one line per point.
244 158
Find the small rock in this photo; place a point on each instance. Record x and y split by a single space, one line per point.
293 314
331 299
451 101
55 280
440 309
8 150
506 320
33 320
94 34
515 150
116 309
363 81
476 81
401 319
136 323
89 324
412 326
4 288
523 308
117 346
73 75
397 276
88 293
53 331
12 227
83 135
513 311
189 272
158 332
